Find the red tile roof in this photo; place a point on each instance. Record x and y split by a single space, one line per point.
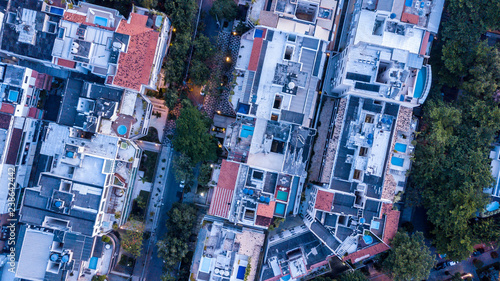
15 142
425 41
5 121
66 63
32 112
266 210
391 222
134 66
410 18
223 193
366 253
263 221
324 200
7 108
254 57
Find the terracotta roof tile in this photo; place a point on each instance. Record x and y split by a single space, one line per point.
266 210
223 192
391 222
7 108
5 121
324 201
366 253
263 221
66 63
410 18
134 66
425 42
254 57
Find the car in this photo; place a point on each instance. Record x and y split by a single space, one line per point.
182 184
476 253
441 265
466 275
451 263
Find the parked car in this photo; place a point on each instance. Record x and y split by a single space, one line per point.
466 275
439 266
476 253
182 184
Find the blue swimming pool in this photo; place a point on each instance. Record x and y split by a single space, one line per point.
56 10
280 209
241 272
419 85
399 147
205 264
93 263
122 130
397 161
13 95
375 225
368 239
100 21
246 131
493 206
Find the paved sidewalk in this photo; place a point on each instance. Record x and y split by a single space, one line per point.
155 201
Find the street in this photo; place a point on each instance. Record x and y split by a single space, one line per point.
172 194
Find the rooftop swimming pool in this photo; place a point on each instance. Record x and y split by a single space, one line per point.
56 10
246 131
399 147
241 272
368 239
419 85
93 263
397 161
280 209
281 195
100 21
122 130
13 95
205 264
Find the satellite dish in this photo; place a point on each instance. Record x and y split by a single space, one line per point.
117 45
74 50
75 45
291 85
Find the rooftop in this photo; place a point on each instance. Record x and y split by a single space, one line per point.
223 194
134 66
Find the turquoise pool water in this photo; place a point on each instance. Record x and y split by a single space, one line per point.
281 195
399 147
13 95
100 21
246 131
419 85
375 225
280 209
397 161
205 264
493 206
368 239
122 130
93 263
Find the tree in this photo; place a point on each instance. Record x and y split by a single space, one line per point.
181 220
183 168
224 9
203 48
105 239
132 238
352 276
192 137
99 278
172 250
407 248
171 97
199 72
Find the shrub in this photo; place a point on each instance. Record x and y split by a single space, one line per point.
494 255
106 239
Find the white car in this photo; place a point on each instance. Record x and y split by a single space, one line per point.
182 184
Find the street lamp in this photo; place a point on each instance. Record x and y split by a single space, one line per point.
228 59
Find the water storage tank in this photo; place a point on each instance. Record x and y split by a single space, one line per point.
54 257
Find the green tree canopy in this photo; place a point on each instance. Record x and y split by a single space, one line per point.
131 240
181 220
224 9
183 168
409 258
192 137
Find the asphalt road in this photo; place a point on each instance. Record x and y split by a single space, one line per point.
171 195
